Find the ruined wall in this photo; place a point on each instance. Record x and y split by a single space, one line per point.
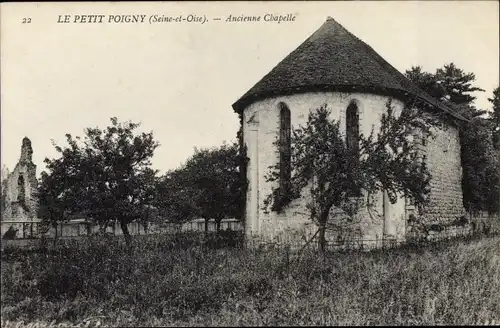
21 186
261 126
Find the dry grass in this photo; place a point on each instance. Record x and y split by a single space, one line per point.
165 281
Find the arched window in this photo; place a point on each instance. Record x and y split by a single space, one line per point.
20 189
285 148
352 128
352 138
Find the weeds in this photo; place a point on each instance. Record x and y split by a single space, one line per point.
188 279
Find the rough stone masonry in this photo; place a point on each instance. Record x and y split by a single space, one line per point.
21 186
335 68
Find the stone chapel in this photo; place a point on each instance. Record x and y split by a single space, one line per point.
336 68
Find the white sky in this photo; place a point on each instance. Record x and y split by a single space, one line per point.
179 79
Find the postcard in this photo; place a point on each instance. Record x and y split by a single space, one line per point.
212 163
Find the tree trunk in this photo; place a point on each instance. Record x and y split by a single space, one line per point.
217 224
322 229
126 233
321 239
102 228
206 224
145 221
55 235
88 227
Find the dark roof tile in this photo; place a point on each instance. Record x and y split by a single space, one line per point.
333 58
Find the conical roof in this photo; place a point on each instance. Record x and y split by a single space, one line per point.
332 58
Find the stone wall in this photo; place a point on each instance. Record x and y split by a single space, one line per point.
484 222
442 153
24 229
21 186
260 131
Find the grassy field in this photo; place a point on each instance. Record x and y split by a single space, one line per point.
174 280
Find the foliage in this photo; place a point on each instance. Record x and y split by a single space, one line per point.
54 200
214 173
387 160
3 181
427 82
161 283
176 198
208 185
105 177
495 118
243 165
457 83
481 170
449 84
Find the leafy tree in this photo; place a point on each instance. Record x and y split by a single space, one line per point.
457 83
426 81
324 166
242 165
106 176
214 174
481 168
495 117
449 84
3 178
54 196
176 198
145 197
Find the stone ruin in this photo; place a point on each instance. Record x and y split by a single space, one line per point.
20 187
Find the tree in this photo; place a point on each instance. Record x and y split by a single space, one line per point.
495 117
242 165
426 81
54 197
384 161
176 198
106 176
146 193
450 85
3 178
480 170
214 175
208 185
457 83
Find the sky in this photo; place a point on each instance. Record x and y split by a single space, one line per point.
179 80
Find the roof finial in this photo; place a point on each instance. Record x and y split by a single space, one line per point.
329 19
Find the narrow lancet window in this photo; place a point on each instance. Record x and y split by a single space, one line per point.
285 148
352 138
352 128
